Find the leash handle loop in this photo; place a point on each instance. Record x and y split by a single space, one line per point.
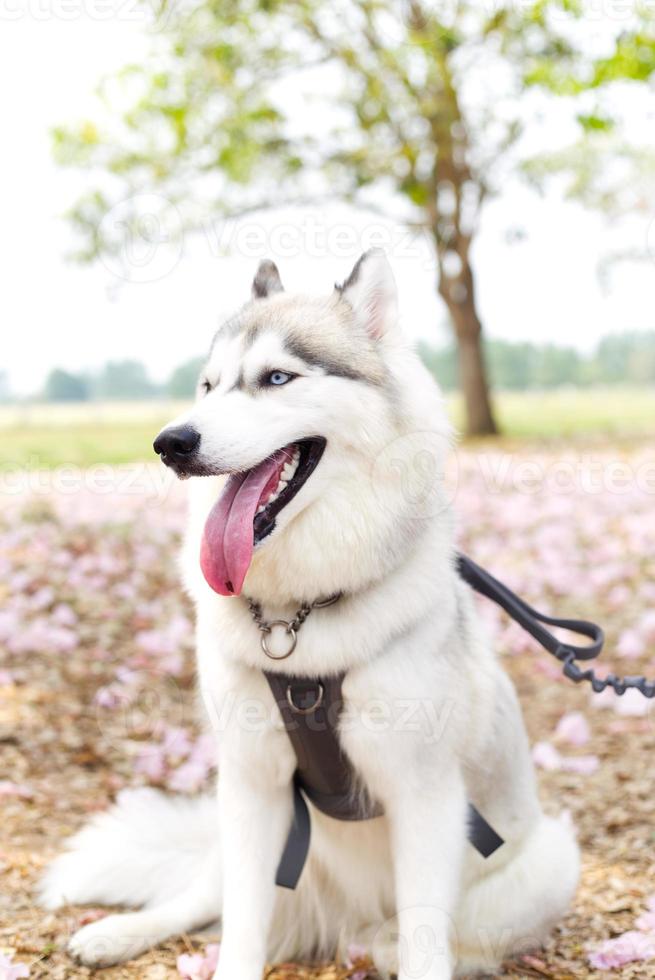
531 620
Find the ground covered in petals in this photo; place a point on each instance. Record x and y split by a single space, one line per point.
97 687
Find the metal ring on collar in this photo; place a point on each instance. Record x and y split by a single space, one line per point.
306 711
288 629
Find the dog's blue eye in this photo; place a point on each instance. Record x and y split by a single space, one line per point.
279 378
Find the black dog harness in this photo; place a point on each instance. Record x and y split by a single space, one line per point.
310 710
311 707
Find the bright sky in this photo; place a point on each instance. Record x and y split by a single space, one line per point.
543 287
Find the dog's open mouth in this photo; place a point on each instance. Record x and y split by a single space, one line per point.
246 511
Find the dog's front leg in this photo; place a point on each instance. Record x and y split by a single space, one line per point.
255 817
428 833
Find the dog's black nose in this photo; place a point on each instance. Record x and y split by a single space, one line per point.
176 444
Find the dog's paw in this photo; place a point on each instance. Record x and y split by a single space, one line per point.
108 941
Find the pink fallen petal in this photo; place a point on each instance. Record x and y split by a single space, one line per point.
354 956
176 743
110 696
631 645
196 966
628 948
12 971
19 790
189 777
204 750
646 922
92 915
354 953
632 704
647 625
189 965
548 668
546 756
605 699
573 728
629 725
151 762
582 764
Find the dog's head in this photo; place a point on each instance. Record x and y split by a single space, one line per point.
296 394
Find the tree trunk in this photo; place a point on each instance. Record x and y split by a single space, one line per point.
473 380
457 293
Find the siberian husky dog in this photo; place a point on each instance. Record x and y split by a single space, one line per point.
310 418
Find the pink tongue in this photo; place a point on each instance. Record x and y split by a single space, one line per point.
228 539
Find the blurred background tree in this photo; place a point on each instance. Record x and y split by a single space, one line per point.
124 381
420 109
5 388
182 382
63 386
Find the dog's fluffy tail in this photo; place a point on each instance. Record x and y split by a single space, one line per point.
141 852
513 909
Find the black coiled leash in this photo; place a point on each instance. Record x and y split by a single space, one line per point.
531 621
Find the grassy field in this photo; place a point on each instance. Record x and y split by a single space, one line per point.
45 436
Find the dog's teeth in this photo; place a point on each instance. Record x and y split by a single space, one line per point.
290 467
288 471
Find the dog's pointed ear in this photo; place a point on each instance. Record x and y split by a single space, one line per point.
267 280
370 289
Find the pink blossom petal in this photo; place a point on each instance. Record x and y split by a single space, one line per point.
647 625
176 743
151 762
354 956
631 645
190 965
12 971
628 948
604 699
582 764
110 697
189 777
546 756
646 922
20 790
92 915
196 966
632 704
204 750
573 728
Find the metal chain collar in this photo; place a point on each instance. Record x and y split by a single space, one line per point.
291 626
